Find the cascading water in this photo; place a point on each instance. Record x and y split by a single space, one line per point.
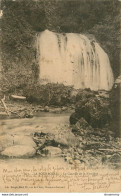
72 59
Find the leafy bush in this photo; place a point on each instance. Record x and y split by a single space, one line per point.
49 94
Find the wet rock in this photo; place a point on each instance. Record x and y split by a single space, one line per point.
62 141
23 140
46 109
23 130
11 140
19 151
57 110
51 151
6 141
41 109
64 108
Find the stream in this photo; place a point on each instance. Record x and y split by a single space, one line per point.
48 138
47 122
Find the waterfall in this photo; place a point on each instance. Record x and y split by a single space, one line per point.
72 59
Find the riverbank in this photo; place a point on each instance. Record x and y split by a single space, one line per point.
51 136
33 130
23 109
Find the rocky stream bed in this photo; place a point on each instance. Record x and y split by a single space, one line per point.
52 136
66 132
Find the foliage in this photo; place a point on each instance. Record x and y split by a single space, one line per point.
49 94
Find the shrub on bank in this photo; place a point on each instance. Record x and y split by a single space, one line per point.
49 94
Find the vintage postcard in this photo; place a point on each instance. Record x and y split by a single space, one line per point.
60 96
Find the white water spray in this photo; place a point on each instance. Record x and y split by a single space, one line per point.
72 59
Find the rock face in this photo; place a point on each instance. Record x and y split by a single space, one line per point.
19 151
92 108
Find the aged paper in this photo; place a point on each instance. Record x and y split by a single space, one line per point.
43 147
56 177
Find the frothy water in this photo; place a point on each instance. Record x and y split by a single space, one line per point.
72 59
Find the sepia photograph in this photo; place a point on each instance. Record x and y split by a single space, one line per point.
60 96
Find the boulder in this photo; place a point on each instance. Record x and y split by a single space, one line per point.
93 109
62 141
74 118
23 140
57 110
19 151
64 108
12 140
46 109
6 141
